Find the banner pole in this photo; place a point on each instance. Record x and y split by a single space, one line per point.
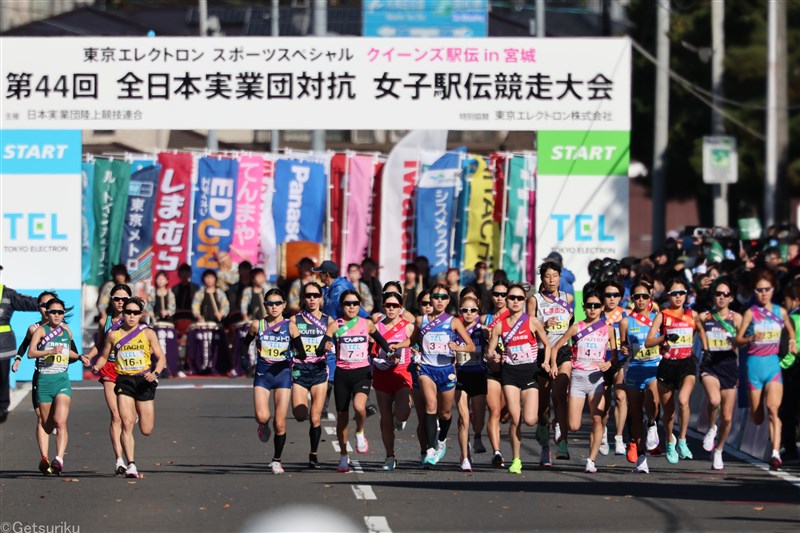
328 230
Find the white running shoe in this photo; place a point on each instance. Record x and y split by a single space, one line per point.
120 468
181 374
641 465
264 432
276 467
344 464
604 443
590 467
430 458
557 431
441 449
399 426
708 440
466 466
362 444
131 471
716 460
652 437
619 445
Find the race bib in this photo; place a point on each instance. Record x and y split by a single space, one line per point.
129 361
273 351
719 341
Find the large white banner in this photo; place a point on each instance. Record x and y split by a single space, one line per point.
316 83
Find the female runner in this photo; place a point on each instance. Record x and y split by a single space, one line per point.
495 400
471 381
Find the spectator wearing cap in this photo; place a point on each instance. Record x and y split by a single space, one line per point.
333 287
567 277
479 284
304 266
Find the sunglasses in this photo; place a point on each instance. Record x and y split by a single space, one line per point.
592 305
392 306
119 299
351 303
677 293
274 304
516 298
310 295
641 296
763 290
722 294
469 309
499 294
439 296
425 302
134 312
56 312
612 295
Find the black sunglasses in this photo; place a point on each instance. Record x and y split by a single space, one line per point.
440 296
722 294
134 312
425 302
392 306
351 303
612 295
641 296
56 312
310 295
273 304
592 305
499 294
677 293
516 298
119 299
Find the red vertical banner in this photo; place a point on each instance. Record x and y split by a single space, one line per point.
374 249
172 217
497 162
338 169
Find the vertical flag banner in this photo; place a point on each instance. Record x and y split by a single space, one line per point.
515 247
137 238
171 221
248 209
87 219
498 167
531 252
375 211
582 194
462 214
400 176
481 228
214 212
267 245
111 179
299 202
40 231
359 187
437 193
336 216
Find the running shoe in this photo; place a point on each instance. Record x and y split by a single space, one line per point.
466 466
477 445
264 433
672 455
344 464
641 465
619 445
131 471
716 460
557 431
44 466
683 450
516 466
313 461
563 450
372 410
497 460
544 459
542 434
399 426
430 457
362 444
57 465
652 437
604 442
590 467
708 440
441 450
277 467
120 467
181 374
633 452
390 464
775 462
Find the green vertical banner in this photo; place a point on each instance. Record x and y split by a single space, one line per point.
520 185
111 181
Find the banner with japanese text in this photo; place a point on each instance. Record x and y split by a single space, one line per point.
359 190
214 212
497 165
515 247
437 194
480 222
137 237
173 213
298 206
249 192
497 84
87 219
111 180
267 246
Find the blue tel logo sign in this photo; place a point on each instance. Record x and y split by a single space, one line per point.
587 227
33 226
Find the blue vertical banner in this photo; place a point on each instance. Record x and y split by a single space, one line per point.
87 219
298 205
214 212
437 196
137 237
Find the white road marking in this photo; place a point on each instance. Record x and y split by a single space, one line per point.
356 467
377 524
19 394
331 417
330 430
363 492
339 449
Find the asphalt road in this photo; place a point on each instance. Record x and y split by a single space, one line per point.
204 469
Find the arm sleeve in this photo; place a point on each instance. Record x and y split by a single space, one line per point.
322 344
381 341
299 349
24 346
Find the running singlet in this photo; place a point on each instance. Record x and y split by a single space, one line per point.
435 342
109 327
56 363
769 324
475 363
400 357
681 325
352 345
311 334
133 356
546 309
638 328
273 343
589 350
521 345
720 338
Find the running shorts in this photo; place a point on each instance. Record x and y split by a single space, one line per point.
672 372
722 365
136 387
472 383
639 375
273 376
51 385
521 376
583 383
443 376
308 375
348 383
391 381
762 370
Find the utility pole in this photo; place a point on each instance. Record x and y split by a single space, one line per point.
274 141
540 18
717 93
320 29
212 142
771 177
659 189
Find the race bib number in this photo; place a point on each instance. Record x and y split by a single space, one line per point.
521 354
131 361
436 343
647 354
273 350
353 349
559 327
684 338
767 333
719 341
